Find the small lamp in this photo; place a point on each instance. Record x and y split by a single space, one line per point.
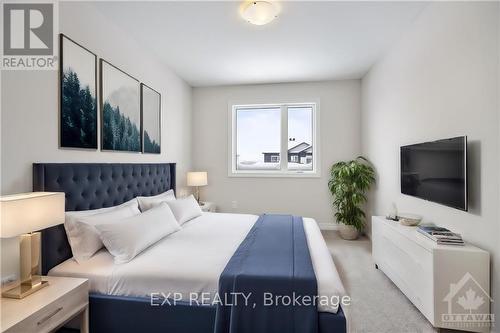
23 215
197 179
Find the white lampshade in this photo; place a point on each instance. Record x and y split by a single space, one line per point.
27 212
197 178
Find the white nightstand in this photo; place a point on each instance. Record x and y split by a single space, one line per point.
208 207
49 308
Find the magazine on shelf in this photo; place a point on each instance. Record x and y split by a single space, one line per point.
440 235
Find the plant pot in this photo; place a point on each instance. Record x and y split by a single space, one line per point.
348 232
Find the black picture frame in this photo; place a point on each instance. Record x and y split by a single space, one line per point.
150 147
83 135
106 144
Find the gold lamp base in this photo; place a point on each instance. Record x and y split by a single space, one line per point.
24 290
29 257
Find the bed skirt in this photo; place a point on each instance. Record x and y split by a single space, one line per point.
121 314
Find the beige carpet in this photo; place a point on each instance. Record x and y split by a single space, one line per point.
378 306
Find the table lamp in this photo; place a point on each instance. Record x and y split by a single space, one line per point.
23 215
197 179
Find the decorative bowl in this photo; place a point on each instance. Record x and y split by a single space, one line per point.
410 220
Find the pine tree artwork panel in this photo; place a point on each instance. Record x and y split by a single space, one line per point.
121 114
78 105
151 119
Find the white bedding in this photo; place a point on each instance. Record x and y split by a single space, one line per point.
192 259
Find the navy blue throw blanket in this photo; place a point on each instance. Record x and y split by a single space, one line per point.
271 268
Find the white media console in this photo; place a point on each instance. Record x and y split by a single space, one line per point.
449 284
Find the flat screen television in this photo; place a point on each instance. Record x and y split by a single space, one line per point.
436 171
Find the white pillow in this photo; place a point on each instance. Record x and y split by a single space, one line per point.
83 237
146 203
74 215
131 236
185 209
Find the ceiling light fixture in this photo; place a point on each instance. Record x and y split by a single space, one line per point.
259 12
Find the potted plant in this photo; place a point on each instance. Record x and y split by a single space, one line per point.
349 181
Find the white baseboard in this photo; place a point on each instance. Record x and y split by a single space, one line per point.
328 226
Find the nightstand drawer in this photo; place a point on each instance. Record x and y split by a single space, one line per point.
54 314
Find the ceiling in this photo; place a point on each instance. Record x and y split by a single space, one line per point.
208 43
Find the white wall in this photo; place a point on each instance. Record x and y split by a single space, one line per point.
29 115
340 139
440 81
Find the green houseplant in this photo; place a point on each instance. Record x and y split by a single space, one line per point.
349 181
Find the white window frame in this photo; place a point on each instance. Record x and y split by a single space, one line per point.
283 172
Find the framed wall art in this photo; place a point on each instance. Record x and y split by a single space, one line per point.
120 110
151 120
78 87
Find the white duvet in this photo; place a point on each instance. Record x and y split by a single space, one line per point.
192 259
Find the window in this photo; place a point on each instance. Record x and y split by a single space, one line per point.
258 138
261 134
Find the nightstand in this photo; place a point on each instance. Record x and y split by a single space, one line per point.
49 308
208 207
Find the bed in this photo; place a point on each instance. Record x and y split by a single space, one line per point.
120 299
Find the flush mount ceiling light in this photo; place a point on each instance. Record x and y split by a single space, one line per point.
259 12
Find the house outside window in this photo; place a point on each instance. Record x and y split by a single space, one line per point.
260 134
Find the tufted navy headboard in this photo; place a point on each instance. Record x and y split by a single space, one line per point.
93 186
